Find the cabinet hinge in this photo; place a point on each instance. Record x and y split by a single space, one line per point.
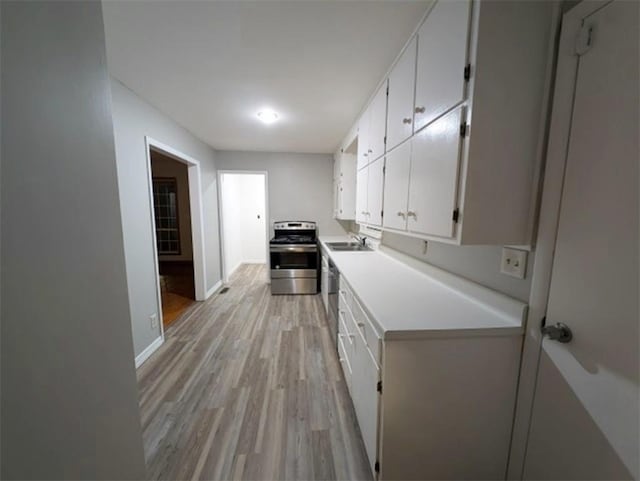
384 169
543 322
463 129
385 140
467 72
381 213
387 89
456 214
379 386
376 467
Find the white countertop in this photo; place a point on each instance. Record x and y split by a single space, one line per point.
405 302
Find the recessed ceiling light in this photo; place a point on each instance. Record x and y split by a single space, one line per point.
267 116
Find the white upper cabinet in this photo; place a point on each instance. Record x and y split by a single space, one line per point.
344 185
401 91
361 195
434 177
442 57
378 125
482 71
364 127
375 192
396 187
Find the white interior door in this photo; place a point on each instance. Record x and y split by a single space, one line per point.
442 56
586 409
433 183
396 187
400 102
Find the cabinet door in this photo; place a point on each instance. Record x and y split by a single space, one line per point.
375 192
364 392
442 57
378 128
433 181
400 102
361 195
396 187
364 127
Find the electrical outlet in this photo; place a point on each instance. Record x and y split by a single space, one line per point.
154 321
514 262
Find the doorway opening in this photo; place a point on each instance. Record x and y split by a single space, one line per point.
176 204
174 243
243 213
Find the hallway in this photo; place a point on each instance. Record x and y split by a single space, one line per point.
248 386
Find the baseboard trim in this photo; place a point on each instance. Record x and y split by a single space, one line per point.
213 290
151 348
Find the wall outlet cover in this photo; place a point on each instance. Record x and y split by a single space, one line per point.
514 262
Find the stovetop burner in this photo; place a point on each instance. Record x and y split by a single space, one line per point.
293 239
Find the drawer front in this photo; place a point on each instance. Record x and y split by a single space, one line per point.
368 332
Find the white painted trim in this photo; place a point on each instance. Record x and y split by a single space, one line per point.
151 348
225 274
213 290
559 134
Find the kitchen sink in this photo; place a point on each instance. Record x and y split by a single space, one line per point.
347 246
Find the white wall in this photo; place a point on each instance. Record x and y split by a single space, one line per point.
300 185
480 264
69 395
134 119
243 219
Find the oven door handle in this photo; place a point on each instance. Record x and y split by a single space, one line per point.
294 248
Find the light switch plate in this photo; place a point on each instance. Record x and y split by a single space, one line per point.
514 262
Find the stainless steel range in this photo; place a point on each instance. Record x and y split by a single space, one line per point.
293 255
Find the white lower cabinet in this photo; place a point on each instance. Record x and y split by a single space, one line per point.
366 376
324 282
429 407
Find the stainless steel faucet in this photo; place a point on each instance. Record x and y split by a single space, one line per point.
362 240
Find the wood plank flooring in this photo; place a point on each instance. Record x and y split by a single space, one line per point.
248 386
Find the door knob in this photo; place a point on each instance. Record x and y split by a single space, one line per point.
558 332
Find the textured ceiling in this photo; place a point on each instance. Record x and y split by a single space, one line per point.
212 65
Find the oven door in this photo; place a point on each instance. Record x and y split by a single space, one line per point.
294 260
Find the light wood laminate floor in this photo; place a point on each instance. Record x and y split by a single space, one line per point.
248 386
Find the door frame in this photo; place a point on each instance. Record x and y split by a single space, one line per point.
557 150
197 219
221 173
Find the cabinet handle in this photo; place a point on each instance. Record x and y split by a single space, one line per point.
420 110
366 154
361 325
370 151
402 214
406 121
412 214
